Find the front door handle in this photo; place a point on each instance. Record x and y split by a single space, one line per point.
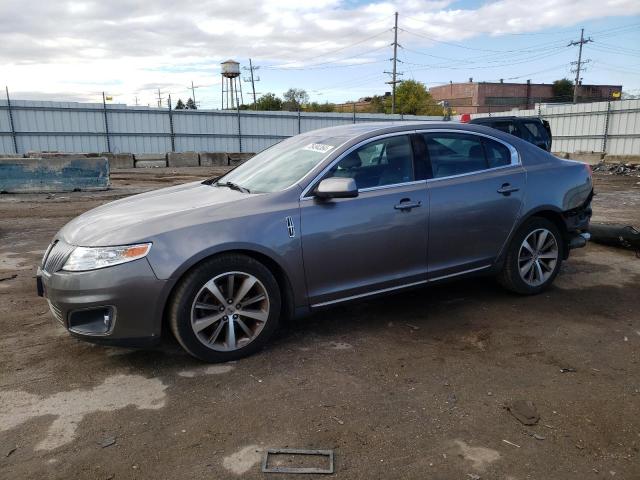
407 204
506 189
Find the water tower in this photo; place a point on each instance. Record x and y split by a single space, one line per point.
231 85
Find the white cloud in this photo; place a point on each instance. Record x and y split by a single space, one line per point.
80 47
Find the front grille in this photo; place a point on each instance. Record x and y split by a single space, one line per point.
56 311
58 254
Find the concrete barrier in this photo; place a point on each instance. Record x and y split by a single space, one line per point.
590 158
214 159
37 175
119 160
183 159
150 160
238 158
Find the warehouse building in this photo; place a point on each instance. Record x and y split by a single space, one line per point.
488 97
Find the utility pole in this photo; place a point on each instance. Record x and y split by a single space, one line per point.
578 64
193 93
253 79
136 100
394 73
159 99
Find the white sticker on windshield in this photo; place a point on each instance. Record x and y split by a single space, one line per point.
318 147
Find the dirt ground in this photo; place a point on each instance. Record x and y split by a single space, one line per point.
409 386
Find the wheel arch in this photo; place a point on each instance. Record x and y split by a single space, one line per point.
548 212
278 271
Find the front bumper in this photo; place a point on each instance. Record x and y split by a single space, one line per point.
130 295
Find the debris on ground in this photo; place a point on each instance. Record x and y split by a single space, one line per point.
511 443
274 452
625 236
473 476
10 277
107 442
524 411
568 370
11 451
618 169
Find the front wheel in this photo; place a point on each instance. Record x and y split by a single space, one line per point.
533 258
225 309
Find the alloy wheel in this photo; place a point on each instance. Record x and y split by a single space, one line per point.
538 257
229 311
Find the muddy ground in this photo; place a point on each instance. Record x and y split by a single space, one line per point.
408 386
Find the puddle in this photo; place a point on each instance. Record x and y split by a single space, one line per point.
243 460
69 408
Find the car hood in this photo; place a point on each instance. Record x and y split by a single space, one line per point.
139 217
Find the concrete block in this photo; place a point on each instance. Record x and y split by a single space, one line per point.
183 159
61 155
37 175
151 163
214 159
590 158
150 160
630 159
238 158
119 160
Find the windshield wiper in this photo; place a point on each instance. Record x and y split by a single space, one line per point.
234 186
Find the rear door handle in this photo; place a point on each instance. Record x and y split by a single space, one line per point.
407 204
506 189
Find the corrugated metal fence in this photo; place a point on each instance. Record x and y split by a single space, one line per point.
608 127
89 127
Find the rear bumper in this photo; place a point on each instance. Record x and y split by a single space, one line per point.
119 305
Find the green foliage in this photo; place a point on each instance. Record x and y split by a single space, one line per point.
320 107
294 98
191 105
562 90
179 105
269 101
380 104
412 98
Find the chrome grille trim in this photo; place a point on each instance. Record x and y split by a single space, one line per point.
58 254
56 311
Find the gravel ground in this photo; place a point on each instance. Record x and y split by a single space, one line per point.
408 386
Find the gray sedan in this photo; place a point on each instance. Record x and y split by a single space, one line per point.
325 217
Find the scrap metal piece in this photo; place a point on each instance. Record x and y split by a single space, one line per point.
296 451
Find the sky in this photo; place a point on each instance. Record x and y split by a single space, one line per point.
337 50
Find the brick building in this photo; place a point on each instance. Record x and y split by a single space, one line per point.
485 97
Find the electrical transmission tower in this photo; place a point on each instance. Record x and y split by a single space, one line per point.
394 73
253 79
579 63
160 98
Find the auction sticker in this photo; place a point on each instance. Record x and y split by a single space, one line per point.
318 147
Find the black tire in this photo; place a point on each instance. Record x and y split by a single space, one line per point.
183 297
509 277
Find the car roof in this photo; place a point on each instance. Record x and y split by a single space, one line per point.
368 128
506 117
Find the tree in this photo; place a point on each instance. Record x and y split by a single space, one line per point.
320 107
269 101
412 98
562 90
191 105
179 105
294 98
380 104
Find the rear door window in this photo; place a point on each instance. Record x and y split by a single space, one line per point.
536 130
497 154
455 153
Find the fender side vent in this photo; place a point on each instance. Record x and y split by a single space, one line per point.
290 227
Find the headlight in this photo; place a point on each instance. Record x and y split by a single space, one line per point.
91 258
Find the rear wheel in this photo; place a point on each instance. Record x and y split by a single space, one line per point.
226 308
533 259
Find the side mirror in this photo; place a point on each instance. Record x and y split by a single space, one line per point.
337 187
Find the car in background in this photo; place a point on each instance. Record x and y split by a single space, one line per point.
531 129
325 217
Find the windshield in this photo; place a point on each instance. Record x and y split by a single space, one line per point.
283 164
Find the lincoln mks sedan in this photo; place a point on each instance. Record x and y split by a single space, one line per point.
329 216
